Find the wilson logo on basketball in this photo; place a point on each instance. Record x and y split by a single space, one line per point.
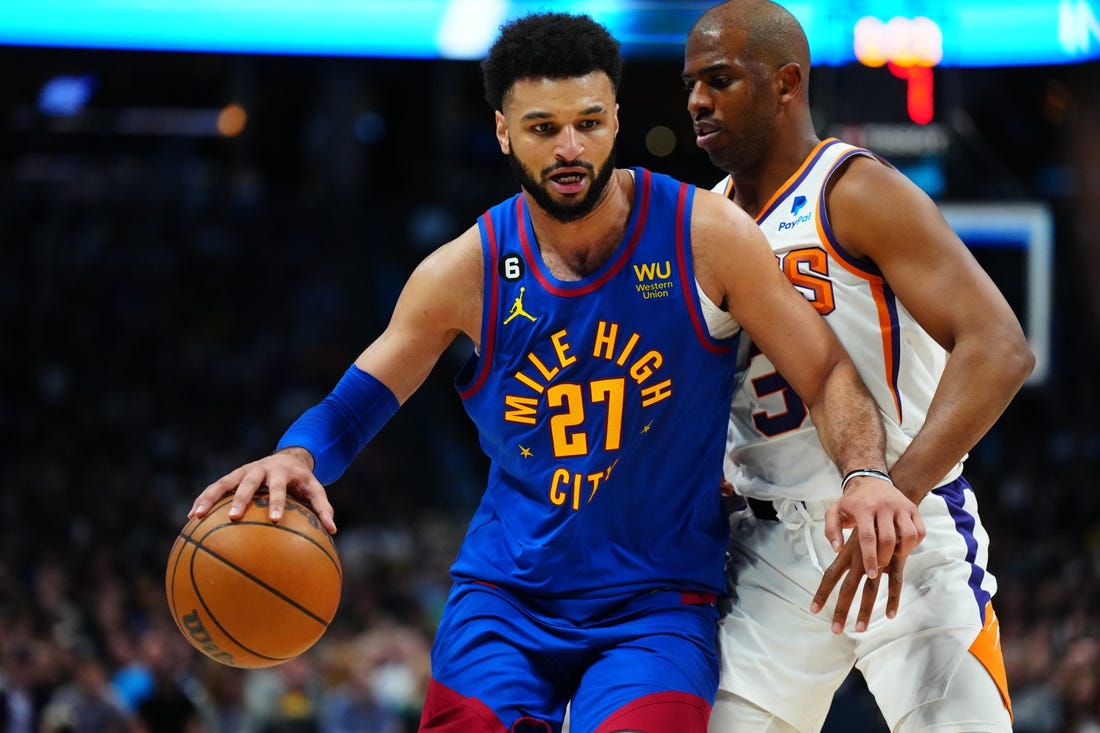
201 638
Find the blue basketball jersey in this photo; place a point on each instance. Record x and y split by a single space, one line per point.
602 405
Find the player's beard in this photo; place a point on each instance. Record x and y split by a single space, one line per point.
569 210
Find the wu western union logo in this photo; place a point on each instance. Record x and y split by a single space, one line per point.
653 279
653 270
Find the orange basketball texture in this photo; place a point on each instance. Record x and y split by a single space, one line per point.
253 593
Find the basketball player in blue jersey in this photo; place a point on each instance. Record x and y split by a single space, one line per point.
874 256
604 306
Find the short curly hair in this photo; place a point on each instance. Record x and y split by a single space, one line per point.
548 46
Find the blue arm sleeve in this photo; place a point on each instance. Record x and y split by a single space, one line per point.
337 428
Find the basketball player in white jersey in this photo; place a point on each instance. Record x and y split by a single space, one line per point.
941 351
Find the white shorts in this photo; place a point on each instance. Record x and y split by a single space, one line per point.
784 659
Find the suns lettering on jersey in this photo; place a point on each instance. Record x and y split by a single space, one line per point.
585 417
808 271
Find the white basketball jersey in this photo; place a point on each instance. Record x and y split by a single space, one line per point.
773 450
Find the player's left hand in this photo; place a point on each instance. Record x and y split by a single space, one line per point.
887 526
848 566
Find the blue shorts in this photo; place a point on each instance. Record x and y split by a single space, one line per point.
501 663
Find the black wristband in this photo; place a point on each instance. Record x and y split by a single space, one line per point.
872 472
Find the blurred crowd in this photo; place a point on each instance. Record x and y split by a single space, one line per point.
165 315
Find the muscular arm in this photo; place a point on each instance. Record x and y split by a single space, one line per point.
940 283
739 270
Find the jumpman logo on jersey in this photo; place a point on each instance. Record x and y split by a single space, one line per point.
517 308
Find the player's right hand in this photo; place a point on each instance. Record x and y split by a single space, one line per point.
885 520
287 471
886 526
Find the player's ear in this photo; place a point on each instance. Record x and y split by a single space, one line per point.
502 133
789 80
616 119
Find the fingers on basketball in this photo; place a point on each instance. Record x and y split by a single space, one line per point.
253 593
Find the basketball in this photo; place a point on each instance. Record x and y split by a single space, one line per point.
253 593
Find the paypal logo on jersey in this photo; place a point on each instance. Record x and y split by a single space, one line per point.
796 206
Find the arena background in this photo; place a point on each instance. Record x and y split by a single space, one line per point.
197 242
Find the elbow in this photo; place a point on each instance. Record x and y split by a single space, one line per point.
1024 362
1016 359
999 353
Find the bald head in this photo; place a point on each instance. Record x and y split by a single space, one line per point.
746 68
772 35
